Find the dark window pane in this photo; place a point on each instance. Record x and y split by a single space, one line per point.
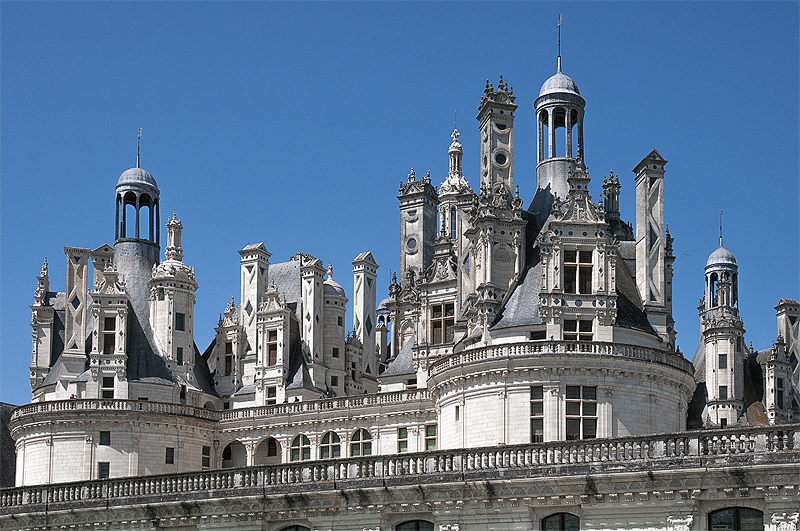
573 429
537 409
589 428
573 392
537 392
574 408
590 409
570 256
586 257
590 393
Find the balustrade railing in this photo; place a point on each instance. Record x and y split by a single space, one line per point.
537 348
60 407
692 449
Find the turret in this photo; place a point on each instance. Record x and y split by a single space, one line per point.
42 324
559 106
723 339
418 202
496 116
172 298
365 275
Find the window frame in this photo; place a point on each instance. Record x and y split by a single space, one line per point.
585 414
300 448
361 443
333 448
443 323
578 271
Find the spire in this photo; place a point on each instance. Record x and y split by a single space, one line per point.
560 20
174 228
720 228
138 143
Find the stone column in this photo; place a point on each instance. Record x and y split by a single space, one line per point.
568 133
551 135
136 231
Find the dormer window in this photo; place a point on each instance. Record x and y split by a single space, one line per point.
443 323
578 272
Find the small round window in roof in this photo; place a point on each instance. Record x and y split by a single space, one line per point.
500 158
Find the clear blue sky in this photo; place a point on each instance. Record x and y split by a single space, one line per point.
294 123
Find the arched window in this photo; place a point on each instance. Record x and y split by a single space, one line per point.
330 447
561 522
742 518
301 448
361 443
415 525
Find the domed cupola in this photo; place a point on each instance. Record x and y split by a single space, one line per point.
721 271
559 83
332 288
138 189
559 106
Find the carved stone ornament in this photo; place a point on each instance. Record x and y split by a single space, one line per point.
785 522
679 523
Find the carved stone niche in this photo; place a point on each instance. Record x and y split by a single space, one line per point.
679 523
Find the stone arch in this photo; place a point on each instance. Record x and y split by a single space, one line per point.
234 455
268 452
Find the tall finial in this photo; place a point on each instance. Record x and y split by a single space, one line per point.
138 143
720 228
560 20
455 120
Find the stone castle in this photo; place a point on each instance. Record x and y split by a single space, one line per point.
512 338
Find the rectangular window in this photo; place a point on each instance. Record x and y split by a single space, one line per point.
108 344
339 320
411 383
443 323
206 461
723 361
103 470
180 321
779 393
537 414
402 440
272 395
169 458
179 355
105 438
335 352
430 437
334 381
578 272
228 364
353 371
272 347
161 294
538 335
581 412
107 388
456 413
577 330
723 392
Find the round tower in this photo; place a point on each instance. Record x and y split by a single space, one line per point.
559 106
723 340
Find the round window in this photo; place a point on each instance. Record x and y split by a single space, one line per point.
412 243
500 158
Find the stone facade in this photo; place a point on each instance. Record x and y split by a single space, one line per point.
544 333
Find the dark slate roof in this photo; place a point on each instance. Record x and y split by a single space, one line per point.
402 364
143 361
82 377
522 307
629 305
8 456
298 376
694 412
246 390
202 376
286 277
627 251
54 374
699 363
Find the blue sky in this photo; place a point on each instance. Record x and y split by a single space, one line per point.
294 123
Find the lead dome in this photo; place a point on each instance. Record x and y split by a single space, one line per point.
135 176
559 82
721 256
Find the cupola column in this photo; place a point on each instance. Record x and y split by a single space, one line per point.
568 133
551 134
138 205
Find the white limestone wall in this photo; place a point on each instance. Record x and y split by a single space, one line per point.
633 397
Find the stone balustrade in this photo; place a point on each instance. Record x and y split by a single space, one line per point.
61 407
540 348
685 450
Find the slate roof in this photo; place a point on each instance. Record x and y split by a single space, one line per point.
403 363
286 277
522 307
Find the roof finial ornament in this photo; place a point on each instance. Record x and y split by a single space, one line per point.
138 143
330 271
560 20
455 120
720 228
